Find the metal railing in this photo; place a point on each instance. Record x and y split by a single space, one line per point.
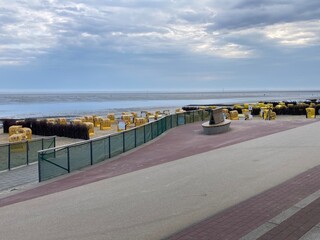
23 153
57 161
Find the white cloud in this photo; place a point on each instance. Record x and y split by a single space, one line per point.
27 32
230 50
31 28
305 33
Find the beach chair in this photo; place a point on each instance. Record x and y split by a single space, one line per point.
14 129
139 121
111 117
225 113
311 113
234 115
76 121
105 124
166 112
62 121
158 115
27 132
18 137
17 144
127 118
51 120
97 120
88 119
90 127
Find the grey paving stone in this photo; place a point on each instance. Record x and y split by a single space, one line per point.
303 203
258 232
264 228
19 176
313 234
284 215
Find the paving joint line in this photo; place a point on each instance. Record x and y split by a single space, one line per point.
286 214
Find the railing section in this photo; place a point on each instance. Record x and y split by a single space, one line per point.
61 160
23 153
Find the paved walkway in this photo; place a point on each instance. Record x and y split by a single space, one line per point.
18 177
179 143
242 189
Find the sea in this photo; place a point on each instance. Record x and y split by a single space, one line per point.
19 105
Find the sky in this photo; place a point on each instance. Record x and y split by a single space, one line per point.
157 45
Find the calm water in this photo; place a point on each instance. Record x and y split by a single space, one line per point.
24 105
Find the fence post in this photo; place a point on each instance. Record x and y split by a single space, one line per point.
68 156
135 137
144 133
91 153
39 165
123 142
151 130
27 143
167 119
162 125
109 147
9 157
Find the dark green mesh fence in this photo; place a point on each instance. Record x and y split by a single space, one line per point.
154 127
22 153
196 116
36 146
168 122
181 119
58 161
174 120
148 132
4 152
100 150
140 136
53 163
81 156
116 144
187 117
129 140
18 154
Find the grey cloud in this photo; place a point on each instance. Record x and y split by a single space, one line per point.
250 13
204 15
244 4
141 26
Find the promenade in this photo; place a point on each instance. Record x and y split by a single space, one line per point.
260 180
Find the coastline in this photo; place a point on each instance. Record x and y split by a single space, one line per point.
61 141
73 104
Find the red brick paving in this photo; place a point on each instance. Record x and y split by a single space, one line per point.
189 140
178 143
239 220
297 225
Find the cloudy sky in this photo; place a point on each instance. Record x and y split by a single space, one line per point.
152 45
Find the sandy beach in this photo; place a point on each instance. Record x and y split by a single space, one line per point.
61 141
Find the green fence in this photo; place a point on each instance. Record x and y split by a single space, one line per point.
62 160
22 153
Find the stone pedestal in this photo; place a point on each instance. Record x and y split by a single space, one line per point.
217 123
